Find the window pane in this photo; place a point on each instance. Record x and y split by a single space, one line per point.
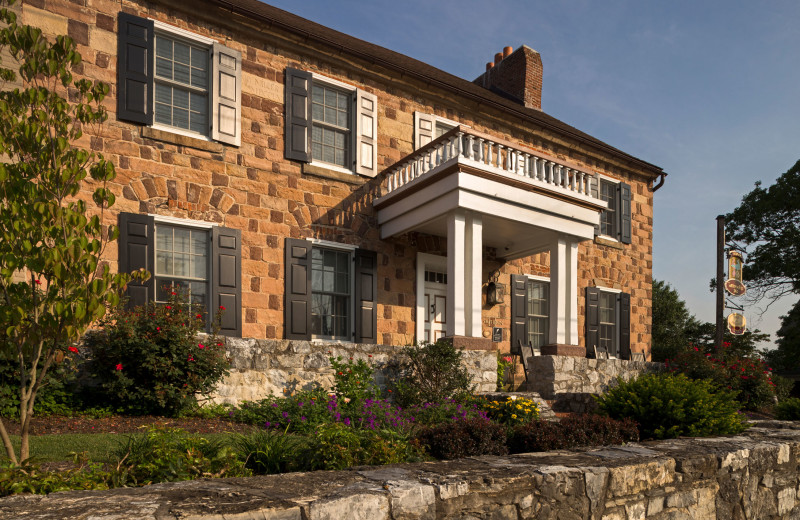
180 98
330 115
164 238
164 47
182 243
181 51
199 242
181 264
181 72
198 296
163 262
163 68
199 266
317 95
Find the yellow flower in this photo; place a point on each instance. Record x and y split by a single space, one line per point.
513 416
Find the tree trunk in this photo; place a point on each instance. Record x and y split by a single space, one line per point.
7 443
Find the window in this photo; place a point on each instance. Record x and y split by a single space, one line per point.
607 337
538 312
530 312
182 263
331 292
330 135
608 193
198 257
330 124
615 221
428 127
608 317
172 79
181 84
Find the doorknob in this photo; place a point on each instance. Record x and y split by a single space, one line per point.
433 308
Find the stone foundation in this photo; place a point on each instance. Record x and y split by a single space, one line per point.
261 367
754 476
571 381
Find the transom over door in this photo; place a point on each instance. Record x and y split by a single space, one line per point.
435 306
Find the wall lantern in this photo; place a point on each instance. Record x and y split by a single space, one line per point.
495 293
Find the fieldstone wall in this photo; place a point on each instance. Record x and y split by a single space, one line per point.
751 476
261 367
571 381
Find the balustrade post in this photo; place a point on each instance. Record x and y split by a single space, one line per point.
460 144
489 146
499 161
470 146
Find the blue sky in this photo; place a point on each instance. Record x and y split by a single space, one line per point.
708 90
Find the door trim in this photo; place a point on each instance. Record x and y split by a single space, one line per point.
425 262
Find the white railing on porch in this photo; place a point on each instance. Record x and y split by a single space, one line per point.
480 150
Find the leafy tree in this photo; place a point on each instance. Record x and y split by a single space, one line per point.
53 284
769 219
703 335
671 322
787 355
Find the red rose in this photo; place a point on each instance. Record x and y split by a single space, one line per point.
221 308
73 350
119 366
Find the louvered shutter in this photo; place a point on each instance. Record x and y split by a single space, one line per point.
519 315
592 319
366 135
135 69
624 213
297 290
136 244
298 115
226 279
624 326
594 192
424 127
226 97
366 296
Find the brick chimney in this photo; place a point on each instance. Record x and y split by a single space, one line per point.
515 75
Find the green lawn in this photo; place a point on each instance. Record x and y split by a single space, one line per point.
99 446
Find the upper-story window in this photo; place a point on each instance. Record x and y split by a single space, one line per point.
181 84
175 80
615 221
428 127
330 124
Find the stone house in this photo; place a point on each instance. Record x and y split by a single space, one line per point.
330 193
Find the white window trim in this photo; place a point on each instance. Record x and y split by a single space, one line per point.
164 219
173 31
333 82
538 278
601 177
348 248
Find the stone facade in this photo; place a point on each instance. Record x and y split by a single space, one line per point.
571 382
260 368
751 476
255 189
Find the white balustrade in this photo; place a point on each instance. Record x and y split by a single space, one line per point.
503 158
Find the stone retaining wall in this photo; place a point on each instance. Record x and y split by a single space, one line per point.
260 367
752 476
571 381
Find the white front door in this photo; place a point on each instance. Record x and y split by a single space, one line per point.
435 306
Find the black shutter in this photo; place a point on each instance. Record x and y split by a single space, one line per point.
136 245
519 315
594 191
366 296
624 326
298 115
624 213
297 290
135 69
592 319
226 279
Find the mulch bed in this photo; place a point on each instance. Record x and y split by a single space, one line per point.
55 424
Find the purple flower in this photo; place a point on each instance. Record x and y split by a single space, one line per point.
302 418
267 424
347 421
285 414
300 404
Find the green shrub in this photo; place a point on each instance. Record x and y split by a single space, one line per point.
337 446
353 380
432 373
150 360
301 412
783 387
57 395
468 438
788 409
29 478
749 377
170 455
266 452
433 414
671 405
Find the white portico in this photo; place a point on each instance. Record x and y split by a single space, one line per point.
479 191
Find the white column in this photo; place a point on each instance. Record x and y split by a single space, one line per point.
455 274
564 292
473 274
